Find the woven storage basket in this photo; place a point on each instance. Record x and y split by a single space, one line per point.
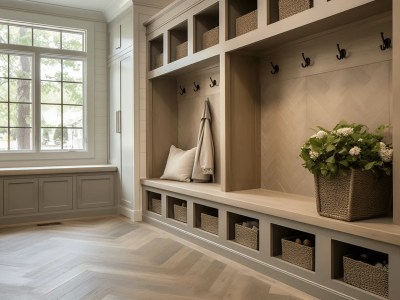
159 61
356 196
289 8
180 213
156 206
209 223
297 254
211 38
246 236
246 23
365 276
181 50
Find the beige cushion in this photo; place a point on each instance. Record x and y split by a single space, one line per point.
179 165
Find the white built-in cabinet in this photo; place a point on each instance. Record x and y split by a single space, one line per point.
120 34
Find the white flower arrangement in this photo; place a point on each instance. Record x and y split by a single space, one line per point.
347 146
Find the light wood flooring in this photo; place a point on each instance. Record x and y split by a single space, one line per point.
112 258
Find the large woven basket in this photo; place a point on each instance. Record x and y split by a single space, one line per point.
181 50
356 196
180 213
289 8
365 276
159 61
209 223
246 23
156 206
211 37
298 254
246 236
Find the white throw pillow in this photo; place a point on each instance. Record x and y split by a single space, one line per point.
179 165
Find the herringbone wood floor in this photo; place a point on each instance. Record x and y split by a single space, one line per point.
111 258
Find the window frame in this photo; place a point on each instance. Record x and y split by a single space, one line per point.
88 58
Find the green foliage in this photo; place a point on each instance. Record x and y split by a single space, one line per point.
347 146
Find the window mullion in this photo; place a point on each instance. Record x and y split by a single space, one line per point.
36 101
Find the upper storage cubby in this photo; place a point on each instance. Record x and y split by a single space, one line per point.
156 52
178 42
207 28
242 17
282 9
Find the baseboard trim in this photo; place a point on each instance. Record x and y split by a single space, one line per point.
133 215
272 271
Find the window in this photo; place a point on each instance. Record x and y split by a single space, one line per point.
43 112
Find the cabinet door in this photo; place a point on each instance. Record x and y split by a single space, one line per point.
115 114
120 34
55 194
127 31
1 197
127 133
95 191
20 196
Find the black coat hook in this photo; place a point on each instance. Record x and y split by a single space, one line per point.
342 53
213 82
307 61
183 90
386 43
275 69
196 86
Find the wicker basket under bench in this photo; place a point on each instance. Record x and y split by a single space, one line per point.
209 223
155 206
180 213
246 236
298 254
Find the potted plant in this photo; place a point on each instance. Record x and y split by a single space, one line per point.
352 171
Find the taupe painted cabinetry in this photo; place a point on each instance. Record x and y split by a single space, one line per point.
55 194
21 196
95 191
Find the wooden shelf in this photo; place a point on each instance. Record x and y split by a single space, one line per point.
289 206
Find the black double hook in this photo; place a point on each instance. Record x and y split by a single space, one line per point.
307 61
275 69
386 43
196 86
342 53
213 82
183 90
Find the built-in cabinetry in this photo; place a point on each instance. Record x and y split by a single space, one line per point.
263 106
40 194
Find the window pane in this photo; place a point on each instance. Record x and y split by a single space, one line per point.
50 92
51 115
20 138
46 38
20 66
50 139
20 115
3 65
3 34
73 93
20 35
3 139
73 116
73 139
3 90
3 114
50 69
20 90
72 41
73 70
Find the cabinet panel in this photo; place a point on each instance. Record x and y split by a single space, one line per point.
55 194
20 196
1 198
115 111
121 34
95 191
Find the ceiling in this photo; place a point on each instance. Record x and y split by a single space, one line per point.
97 5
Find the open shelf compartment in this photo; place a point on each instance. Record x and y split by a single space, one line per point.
154 202
156 52
207 28
206 218
243 230
242 17
177 209
293 246
363 268
178 41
